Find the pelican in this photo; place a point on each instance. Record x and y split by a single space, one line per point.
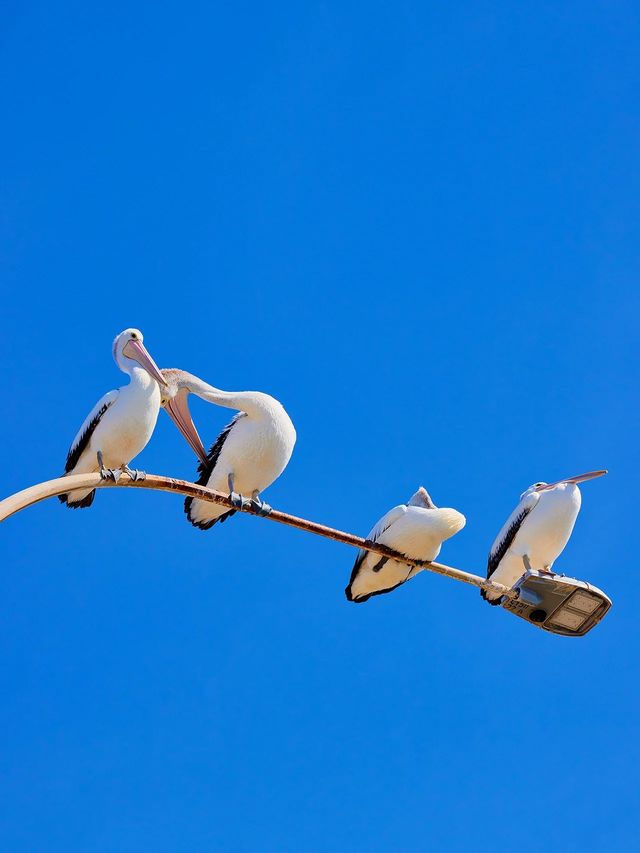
120 424
248 455
416 529
536 532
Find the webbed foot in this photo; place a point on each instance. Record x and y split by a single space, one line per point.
107 473
239 501
111 474
134 473
260 506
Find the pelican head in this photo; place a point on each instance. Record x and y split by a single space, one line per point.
579 478
568 481
127 347
421 498
175 392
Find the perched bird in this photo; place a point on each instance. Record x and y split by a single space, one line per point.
120 424
536 532
416 529
248 455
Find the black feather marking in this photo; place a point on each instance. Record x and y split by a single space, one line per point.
205 470
75 452
378 566
83 504
356 568
495 556
362 598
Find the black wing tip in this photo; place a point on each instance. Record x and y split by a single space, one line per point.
349 596
83 504
205 469
201 525
497 553
204 525
362 598
74 454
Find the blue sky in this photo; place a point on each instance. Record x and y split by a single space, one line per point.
417 226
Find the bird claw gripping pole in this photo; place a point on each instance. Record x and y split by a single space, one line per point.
63 485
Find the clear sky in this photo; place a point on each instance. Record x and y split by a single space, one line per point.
417 225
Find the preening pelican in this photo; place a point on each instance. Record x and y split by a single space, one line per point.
121 423
536 532
248 455
416 529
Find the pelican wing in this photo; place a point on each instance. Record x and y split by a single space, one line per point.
205 470
508 533
384 524
80 442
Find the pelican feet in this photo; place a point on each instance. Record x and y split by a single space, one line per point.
239 501
260 506
108 473
134 473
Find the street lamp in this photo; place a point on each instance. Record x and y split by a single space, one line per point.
558 604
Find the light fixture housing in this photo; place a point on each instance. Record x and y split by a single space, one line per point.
558 604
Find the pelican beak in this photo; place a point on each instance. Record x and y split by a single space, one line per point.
579 478
178 410
137 351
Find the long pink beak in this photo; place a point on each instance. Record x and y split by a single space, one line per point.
580 478
178 410
138 352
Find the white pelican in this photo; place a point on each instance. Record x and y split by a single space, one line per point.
416 529
248 455
536 532
121 423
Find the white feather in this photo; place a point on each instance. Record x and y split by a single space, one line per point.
119 425
539 528
256 451
415 531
